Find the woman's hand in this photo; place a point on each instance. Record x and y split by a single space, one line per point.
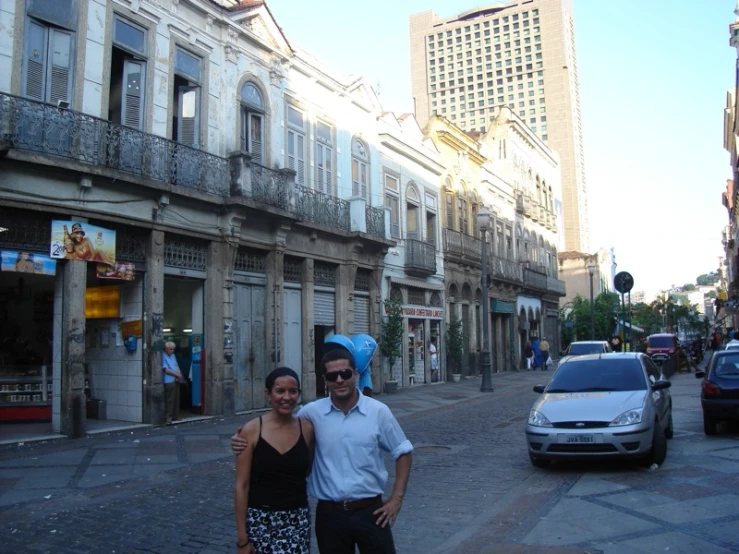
238 443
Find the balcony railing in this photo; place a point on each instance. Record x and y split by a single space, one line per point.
556 286
38 127
320 207
462 247
505 270
420 257
534 279
375 221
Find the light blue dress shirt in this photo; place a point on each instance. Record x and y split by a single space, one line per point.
170 362
348 462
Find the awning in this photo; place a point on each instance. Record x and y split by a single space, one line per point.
417 284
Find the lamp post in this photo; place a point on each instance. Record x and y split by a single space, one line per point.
483 222
591 270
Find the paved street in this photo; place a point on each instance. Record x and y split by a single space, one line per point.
472 489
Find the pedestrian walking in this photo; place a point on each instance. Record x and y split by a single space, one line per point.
270 498
537 353
172 377
544 351
528 353
349 474
434 352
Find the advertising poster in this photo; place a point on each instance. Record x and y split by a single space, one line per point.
75 240
27 262
119 270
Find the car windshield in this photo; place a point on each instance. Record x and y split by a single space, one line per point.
599 374
577 349
661 342
727 366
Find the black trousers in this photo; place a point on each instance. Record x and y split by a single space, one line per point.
338 531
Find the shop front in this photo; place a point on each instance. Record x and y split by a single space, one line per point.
502 314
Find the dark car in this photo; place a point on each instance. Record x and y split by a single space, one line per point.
720 390
661 346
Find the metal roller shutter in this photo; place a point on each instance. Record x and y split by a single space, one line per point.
324 308
361 314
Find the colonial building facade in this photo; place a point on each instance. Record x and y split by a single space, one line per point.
241 179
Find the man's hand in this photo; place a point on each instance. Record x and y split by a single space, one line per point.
238 444
388 512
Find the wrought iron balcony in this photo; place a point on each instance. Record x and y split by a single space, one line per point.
38 127
462 248
534 279
420 258
536 267
501 269
375 222
556 286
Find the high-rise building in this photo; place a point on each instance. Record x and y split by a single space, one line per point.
521 54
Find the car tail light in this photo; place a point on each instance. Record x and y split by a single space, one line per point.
709 389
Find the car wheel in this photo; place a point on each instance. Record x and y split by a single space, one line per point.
709 424
670 431
538 462
658 452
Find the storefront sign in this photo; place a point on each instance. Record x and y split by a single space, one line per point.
119 270
27 262
75 240
131 328
412 311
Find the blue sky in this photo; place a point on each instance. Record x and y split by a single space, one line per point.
653 81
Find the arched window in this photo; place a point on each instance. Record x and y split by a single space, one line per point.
252 122
473 214
519 245
526 247
534 248
412 212
449 203
462 208
360 165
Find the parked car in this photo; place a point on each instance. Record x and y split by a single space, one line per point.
580 347
609 405
720 389
661 346
732 345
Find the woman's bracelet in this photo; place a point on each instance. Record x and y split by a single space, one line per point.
242 545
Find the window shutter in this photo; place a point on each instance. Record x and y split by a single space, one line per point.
355 177
60 82
301 159
296 155
328 154
244 139
363 179
35 61
189 116
133 94
320 153
292 146
255 136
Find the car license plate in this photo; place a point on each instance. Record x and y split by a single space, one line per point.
579 439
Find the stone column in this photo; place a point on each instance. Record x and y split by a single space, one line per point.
153 334
309 336
275 281
219 391
375 324
345 275
73 406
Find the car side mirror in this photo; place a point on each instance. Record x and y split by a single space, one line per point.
700 374
659 385
539 388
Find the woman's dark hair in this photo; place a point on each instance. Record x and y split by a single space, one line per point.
275 374
338 354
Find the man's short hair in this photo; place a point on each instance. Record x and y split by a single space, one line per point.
169 344
338 354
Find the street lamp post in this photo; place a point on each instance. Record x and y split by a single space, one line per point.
483 222
591 270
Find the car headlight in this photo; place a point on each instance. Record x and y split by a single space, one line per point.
628 418
538 419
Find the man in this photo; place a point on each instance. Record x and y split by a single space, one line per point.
544 349
434 351
171 378
349 474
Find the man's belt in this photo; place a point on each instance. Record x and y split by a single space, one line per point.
350 505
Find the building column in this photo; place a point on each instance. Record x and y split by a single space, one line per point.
309 334
153 334
273 308
376 313
219 390
345 275
73 406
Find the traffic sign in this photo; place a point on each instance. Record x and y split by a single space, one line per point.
623 282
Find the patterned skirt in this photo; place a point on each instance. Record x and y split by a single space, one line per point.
279 531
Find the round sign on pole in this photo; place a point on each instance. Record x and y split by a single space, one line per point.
623 282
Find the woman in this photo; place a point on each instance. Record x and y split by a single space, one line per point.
270 500
528 353
434 351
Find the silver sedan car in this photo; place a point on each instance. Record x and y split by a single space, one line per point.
602 405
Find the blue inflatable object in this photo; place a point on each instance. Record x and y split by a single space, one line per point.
364 350
338 341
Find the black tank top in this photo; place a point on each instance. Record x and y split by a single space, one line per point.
278 481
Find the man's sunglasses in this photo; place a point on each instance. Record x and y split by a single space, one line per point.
346 374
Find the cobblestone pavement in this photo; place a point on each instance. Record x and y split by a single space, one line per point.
472 488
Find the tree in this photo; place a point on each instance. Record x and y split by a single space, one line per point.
688 287
575 318
647 316
391 332
711 294
707 279
455 343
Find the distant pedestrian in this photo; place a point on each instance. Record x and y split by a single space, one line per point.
544 350
172 378
616 343
537 353
434 352
528 353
